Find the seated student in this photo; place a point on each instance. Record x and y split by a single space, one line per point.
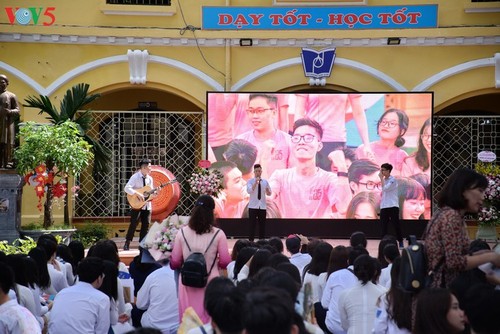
358 239
82 308
269 311
393 314
55 268
224 303
298 259
357 305
14 318
438 312
337 282
158 296
391 252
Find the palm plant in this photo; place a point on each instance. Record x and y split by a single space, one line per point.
73 101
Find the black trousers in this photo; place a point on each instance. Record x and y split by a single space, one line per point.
391 215
254 216
145 217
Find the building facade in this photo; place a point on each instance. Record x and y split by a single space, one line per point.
153 62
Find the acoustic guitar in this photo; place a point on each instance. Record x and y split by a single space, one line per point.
137 203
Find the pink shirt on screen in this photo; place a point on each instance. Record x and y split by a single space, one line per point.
410 167
395 156
329 111
305 197
220 118
280 152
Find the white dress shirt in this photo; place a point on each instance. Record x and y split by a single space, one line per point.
390 197
357 307
136 182
57 280
254 202
383 323
158 296
337 282
317 285
80 309
385 276
27 300
16 319
300 260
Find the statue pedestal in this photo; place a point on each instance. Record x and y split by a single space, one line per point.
11 189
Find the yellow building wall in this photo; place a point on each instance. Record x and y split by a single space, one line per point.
46 63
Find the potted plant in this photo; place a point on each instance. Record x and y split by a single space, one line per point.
47 155
489 216
71 108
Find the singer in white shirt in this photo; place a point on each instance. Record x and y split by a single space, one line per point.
258 188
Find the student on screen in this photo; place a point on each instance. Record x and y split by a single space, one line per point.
220 123
364 205
273 145
420 161
330 110
243 154
363 176
306 191
411 196
231 201
391 127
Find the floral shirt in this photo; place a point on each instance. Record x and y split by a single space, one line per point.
446 236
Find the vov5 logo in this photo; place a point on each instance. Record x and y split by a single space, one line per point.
24 16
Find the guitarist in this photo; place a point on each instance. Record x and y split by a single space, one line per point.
136 182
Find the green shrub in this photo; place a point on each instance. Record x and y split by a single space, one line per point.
19 246
91 232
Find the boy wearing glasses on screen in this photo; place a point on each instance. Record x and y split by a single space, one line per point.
305 190
363 176
273 144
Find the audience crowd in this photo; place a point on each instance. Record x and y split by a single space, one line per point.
301 285
312 287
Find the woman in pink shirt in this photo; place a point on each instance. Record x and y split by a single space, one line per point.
391 128
199 233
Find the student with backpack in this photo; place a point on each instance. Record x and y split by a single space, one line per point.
198 243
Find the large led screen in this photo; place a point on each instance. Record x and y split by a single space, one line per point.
321 152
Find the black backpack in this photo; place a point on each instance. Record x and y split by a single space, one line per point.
415 274
194 269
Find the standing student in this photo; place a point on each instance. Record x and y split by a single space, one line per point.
137 181
199 234
258 188
389 204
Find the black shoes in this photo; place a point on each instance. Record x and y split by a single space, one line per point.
126 246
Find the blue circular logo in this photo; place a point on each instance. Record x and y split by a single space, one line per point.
23 16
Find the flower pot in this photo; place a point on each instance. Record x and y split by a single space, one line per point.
486 232
66 234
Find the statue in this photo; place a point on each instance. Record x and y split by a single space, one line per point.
9 111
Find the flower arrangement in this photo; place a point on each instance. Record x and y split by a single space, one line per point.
161 236
164 238
490 212
206 182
